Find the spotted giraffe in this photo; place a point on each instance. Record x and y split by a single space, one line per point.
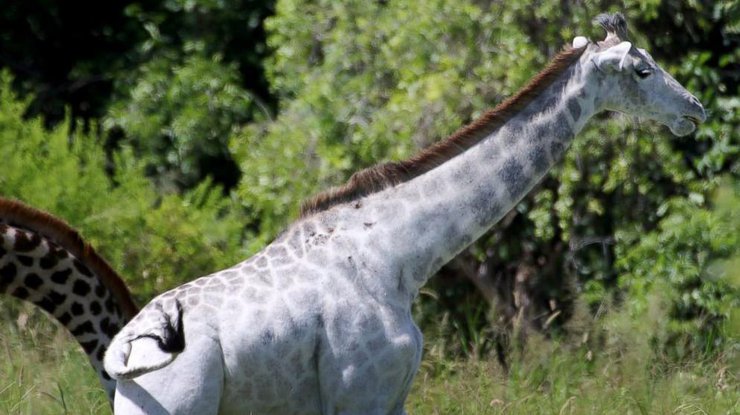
46 262
319 322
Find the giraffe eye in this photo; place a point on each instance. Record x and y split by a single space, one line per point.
643 72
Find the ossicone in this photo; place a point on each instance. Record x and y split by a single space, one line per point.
615 26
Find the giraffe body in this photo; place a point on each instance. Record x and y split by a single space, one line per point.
351 350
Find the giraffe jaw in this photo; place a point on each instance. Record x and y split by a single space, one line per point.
684 125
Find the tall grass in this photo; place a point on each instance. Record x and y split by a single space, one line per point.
614 362
42 369
606 366
556 380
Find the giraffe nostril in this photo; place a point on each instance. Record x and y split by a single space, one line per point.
700 115
696 111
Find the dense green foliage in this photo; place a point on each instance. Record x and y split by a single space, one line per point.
85 54
204 124
155 241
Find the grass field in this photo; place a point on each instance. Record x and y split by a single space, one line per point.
42 371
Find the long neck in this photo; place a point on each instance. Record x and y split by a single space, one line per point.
430 219
61 276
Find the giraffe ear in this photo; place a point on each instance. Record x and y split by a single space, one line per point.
579 42
613 58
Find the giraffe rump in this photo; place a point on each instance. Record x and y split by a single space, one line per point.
159 341
385 175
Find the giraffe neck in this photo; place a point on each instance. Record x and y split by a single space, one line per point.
44 262
423 223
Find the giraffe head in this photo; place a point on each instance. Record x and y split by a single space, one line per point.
631 82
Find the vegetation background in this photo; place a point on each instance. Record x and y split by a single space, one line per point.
180 136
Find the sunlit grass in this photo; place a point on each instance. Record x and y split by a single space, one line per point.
566 382
42 369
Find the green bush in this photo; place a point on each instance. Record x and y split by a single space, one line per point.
690 256
178 117
155 241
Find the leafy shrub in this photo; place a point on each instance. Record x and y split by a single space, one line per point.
690 256
155 241
178 117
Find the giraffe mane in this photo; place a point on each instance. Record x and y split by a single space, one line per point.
379 177
16 213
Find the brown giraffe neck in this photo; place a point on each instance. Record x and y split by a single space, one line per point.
46 262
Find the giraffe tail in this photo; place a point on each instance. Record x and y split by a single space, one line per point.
150 342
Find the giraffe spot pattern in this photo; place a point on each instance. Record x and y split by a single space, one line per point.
95 308
100 355
65 318
512 177
538 158
60 277
83 328
48 261
261 262
99 290
25 260
56 297
89 346
276 252
25 244
81 288
110 329
110 305
77 309
575 109
294 242
7 274
21 293
79 266
47 304
33 281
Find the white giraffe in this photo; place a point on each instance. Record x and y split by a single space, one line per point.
319 322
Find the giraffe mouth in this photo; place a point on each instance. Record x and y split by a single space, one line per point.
694 120
683 125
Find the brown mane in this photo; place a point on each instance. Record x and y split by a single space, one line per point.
15 213
382 176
